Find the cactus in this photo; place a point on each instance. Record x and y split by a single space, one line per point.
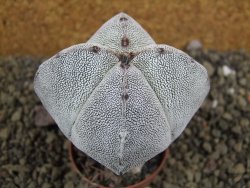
120 97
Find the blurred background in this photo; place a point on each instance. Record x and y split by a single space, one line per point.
212 152
41 28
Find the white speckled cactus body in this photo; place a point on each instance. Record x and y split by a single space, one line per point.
119 97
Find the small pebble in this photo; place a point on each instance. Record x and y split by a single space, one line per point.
169 185
16 116
237 129
239 168
214 104
209 67
243 81
227 71
4 132
221 148
190 175
46 185
42 117
69 184
207 147
194 45
238 147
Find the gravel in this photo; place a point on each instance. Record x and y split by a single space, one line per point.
213 151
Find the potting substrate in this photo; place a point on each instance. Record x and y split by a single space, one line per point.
213 151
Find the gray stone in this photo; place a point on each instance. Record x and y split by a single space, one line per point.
238 147
216 133
16 116
243 81
215 155
210 166
221 184
244 122
46 185
237 178
191 185
55 173
206 182
22 161
4 133
227 116
2 115
32 184
190 175
221 148
237 129
50 138
209 67
214 57
194 45
239 168
242 101
207 147
69 184
197 176
169 185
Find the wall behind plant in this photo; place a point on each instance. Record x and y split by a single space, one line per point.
41 28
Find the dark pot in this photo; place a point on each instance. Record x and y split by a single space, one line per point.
141 184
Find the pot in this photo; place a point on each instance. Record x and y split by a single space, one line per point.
141 184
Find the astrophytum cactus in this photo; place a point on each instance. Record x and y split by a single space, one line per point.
120 97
